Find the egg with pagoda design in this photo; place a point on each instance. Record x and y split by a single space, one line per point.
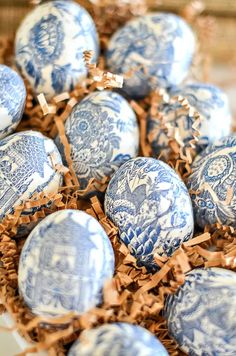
121 338
154 50
50 43
151 208
64 264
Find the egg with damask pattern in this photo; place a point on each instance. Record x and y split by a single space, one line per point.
28 163
103 133
121 338
201 315
12 100
151 207
49 46
154 50
64 264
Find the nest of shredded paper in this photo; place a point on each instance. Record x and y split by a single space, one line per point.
132 295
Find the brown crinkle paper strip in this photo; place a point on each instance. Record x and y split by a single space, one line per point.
132 295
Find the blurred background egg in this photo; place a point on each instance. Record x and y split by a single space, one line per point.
151 207
64 264
27 166
49 46
12 100
160 47
103 133
201 315
212 184
117 339
208 100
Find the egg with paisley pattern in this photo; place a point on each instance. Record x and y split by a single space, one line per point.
121 338
64 264
212 184
151 207
49 46
201 315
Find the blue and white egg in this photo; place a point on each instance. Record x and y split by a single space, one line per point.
103 134
212 184
64 264
154 50
118 339
151 207
208 100
27 166
12 100
50 43
201 315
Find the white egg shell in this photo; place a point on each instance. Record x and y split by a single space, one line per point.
211 103
103 134
117 339
27 166
12 100
213 184
50 43
64 264
151 207
160 47
201 315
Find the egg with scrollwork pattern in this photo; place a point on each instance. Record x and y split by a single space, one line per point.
201 315
27 166
208 100
212 184
118 339
151 207
154 50
12 100
50 43
103 134
64 264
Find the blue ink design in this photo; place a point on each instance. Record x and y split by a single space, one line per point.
64 264
151 44
151 207
12 100
201 315
103 133
121 338
213 177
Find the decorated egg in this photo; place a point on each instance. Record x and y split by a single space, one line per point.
27 166
151 207
154 50
118 339
208 100
64 264
201 315
12 100
103 133
212 184
50 43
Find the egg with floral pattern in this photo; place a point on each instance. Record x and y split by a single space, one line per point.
12 100
208 100
50 43
212 184
103 134
121 338
201 315
28 163
64 264
154 50
151 207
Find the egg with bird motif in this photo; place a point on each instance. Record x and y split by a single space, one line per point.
151 207
64 264
49 46
154 50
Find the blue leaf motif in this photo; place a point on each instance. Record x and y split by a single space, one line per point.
59 77
30 69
